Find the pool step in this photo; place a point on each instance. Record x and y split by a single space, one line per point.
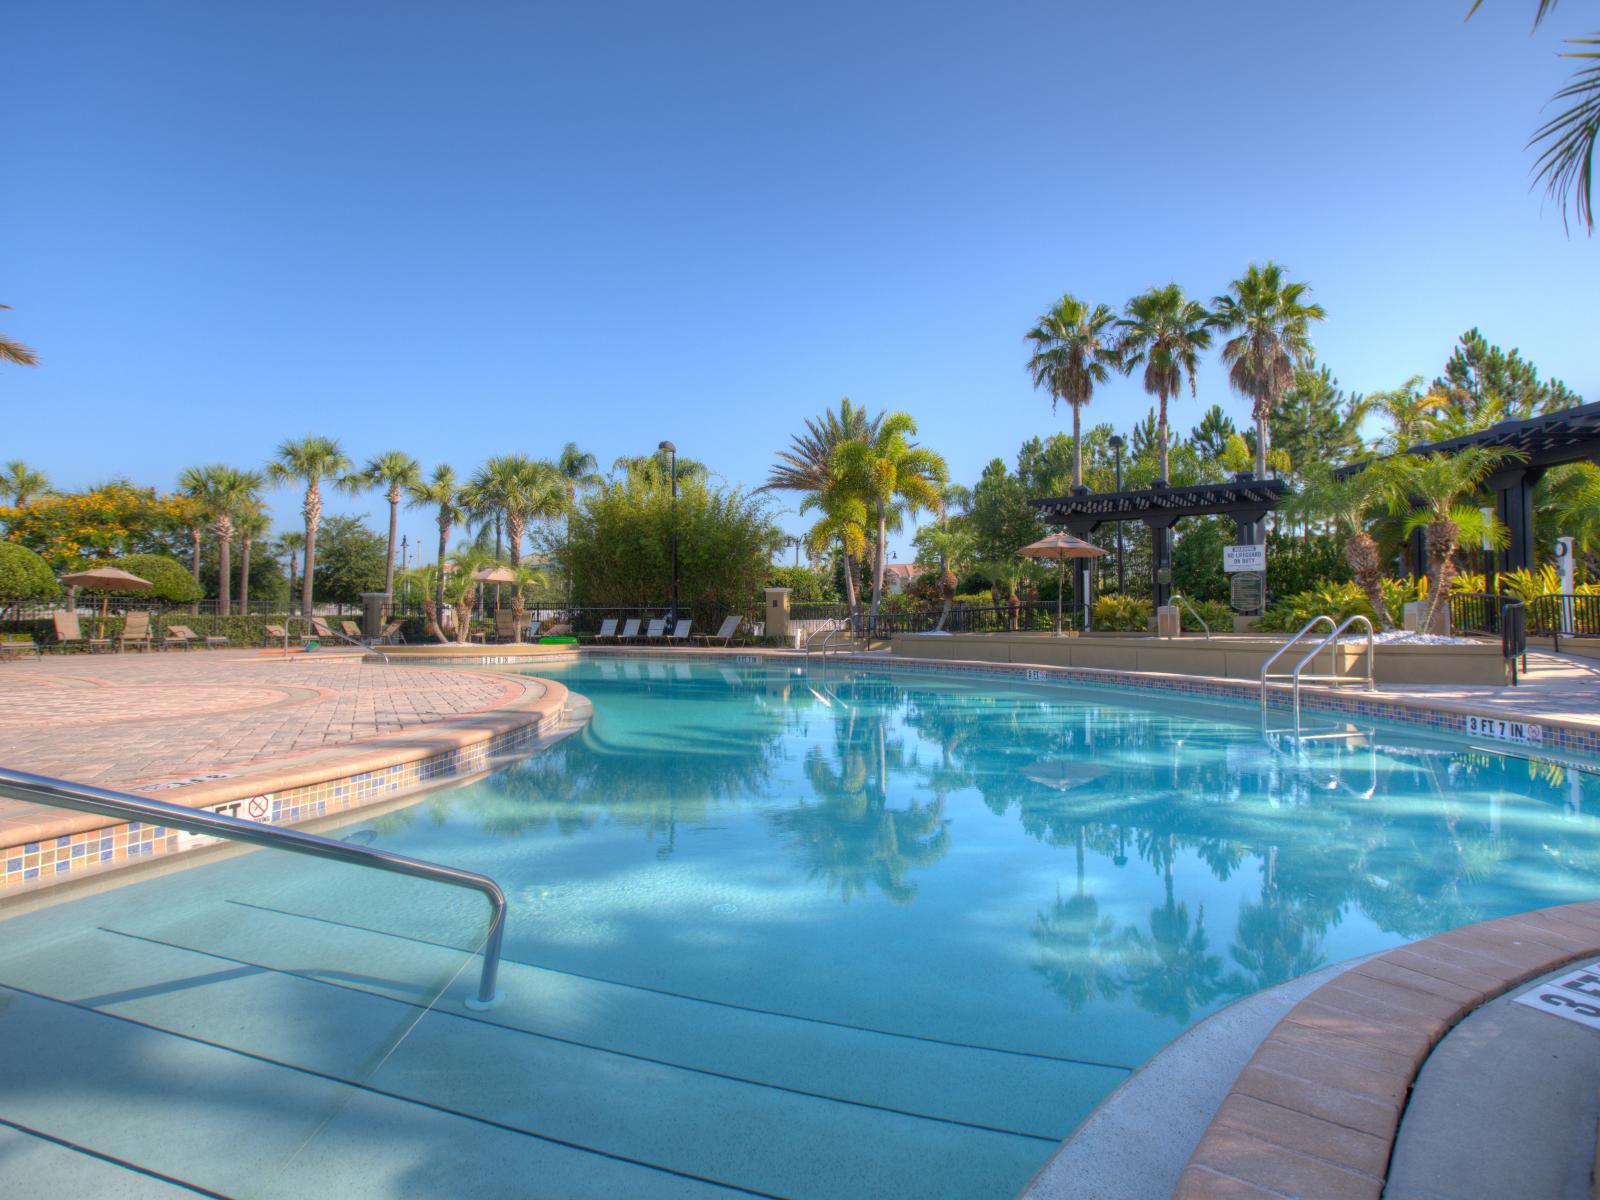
741 1131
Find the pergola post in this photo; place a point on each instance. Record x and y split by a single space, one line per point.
1248 527
1513 505
1160 557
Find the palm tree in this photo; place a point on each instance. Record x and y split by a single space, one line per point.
1072 351
21 483
1346 502
521 490
1271 327
222 493
949 550
309 460
1566 164
655 469
442 493
581 471
887 469
15 352
193 518
251 523
1429 489
292 543
1410 411
1164 331
396 472
807 467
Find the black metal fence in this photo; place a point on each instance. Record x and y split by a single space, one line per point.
1552 616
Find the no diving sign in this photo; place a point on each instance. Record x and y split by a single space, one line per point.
1575 996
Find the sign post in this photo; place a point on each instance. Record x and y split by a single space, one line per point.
1565 563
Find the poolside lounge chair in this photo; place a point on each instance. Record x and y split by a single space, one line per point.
17 646
319 633
505 625
630 630
273 633
180 636
608 631
680 632
657 630
135 631
351 630
390 633
557 629
730 626
70 637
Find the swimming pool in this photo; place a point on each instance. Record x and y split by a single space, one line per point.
851 932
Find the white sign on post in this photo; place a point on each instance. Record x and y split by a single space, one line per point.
1564 565
1244 558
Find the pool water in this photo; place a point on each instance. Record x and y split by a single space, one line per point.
834 933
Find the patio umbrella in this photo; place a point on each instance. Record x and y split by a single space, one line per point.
1062 546
1063 774
495 575
106 580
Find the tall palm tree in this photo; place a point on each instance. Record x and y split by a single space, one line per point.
309 460
521 490
292 543
223 492
441 492
656 469
889 468
949 551
1431 489
395 471
193 518
807 467
21 483
1072 351
581 471
15 352
251 523
1164 332
1271 326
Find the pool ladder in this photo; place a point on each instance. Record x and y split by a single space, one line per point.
827 635
1298 674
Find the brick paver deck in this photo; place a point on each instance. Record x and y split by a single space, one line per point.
138 722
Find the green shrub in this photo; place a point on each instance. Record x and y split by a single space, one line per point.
1337 600
805 585
1217 615
1296 564
24 575
170 579
1115 613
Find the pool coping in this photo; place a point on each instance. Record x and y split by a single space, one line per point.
1318 1107
304 787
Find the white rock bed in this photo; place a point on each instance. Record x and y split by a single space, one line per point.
1400 637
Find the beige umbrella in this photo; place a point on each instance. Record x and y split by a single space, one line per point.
1063 774
106 580
1062 546
495 575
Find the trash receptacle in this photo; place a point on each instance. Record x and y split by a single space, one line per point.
374 613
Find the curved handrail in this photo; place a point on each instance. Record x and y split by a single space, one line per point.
1332 640
62 793
1184 600
1284 649
293 617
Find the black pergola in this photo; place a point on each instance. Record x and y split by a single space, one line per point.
1552 440
1244 498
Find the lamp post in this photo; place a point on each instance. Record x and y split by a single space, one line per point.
672 452
1116 444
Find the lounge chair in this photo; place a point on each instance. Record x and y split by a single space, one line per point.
15 646
630 630
557 629
273 633
390 633
680 632
179 636
319 633
505 625
730 626
608 631
70 637
351 630
135 631
657 630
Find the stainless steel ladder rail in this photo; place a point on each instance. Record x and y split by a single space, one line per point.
1184 600
827 636
62 793
1330 643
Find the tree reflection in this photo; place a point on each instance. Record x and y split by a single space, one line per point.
1080 953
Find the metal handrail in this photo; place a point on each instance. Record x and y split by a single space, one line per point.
61 793
338 633
1332 640
827 638
1284 649
1184 600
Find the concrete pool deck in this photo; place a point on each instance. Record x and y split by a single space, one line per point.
277 739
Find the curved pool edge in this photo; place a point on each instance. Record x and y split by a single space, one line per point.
1318 1107
1137 1141
311 787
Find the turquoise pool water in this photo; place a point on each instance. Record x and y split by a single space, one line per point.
840 934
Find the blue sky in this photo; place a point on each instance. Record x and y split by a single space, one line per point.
473 228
